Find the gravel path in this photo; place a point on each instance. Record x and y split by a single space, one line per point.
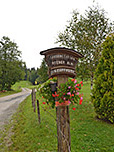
9 104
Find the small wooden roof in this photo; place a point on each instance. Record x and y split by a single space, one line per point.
60 50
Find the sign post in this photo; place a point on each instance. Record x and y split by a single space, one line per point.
61 63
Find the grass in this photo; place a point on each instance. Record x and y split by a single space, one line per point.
17 87
87 133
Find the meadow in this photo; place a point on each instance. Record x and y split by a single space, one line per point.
25 134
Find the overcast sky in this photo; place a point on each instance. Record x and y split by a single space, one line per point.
35 24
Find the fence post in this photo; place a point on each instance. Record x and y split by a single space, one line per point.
32 97
38 110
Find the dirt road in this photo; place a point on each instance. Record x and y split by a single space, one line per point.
9 104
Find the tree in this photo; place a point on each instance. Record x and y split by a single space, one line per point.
85 34
103 92
42 72
11 66
33 75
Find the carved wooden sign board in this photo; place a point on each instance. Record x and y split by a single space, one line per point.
61 61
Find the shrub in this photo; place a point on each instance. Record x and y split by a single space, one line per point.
103 91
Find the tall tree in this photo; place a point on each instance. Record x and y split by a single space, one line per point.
85 34
103 91
11 66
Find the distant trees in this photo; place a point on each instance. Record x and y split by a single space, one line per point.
11 65
33 75
42 72
85 34
38 75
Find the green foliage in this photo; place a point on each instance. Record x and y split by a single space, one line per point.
44 90
85 33
103 92
68 91
11 67
42 72
82 72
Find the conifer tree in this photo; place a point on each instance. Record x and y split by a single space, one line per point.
103 92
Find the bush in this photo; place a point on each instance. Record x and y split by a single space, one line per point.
103 91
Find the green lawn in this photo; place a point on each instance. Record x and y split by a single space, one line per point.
17 87
87 133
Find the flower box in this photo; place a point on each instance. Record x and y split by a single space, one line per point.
64 103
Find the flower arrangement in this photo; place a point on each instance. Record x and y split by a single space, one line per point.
66 94
69 93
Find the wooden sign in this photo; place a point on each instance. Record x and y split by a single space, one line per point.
61 61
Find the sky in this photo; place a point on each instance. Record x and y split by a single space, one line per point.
35 24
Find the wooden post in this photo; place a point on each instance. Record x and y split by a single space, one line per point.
38 110
63 123
32 98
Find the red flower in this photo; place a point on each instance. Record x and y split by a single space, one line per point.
81 82
81 99
53 95
44 103
77 88
74 109
80 102
42 97
72 95
78 85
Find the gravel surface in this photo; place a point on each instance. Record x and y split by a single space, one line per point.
9 104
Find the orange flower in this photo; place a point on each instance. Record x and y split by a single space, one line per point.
73 80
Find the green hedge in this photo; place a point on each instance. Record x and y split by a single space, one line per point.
103 92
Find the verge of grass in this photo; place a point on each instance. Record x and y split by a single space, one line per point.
17 87
87 133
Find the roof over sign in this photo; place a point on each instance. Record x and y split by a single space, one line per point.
51 50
